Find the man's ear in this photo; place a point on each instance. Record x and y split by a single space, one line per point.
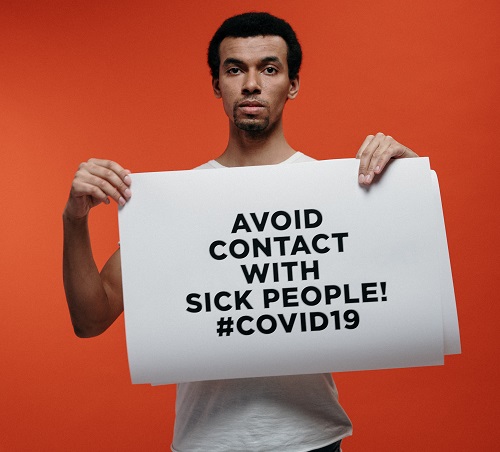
294 88
215 86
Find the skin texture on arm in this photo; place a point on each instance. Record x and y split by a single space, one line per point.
94 299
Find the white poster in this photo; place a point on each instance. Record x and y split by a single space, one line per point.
285 269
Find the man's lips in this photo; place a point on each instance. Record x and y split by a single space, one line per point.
251 107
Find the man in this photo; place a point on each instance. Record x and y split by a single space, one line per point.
254 60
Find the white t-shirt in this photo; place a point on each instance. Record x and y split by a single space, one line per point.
295 158
269 414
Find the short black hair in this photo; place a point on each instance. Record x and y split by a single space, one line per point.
256 24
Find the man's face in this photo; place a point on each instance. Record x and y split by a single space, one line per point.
253 81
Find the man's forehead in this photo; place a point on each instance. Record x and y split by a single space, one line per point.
254 47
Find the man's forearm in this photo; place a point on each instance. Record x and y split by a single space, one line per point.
87 299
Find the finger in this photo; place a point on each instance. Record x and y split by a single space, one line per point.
401 151
113 166
367 141
113 174
381 155
102 189
392 150
365 174
86 188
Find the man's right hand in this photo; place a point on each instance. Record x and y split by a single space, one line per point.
95 182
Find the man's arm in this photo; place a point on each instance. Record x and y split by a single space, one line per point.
374 154
94 299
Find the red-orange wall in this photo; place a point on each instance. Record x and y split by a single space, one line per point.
127 80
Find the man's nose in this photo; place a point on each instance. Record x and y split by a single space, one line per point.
251 84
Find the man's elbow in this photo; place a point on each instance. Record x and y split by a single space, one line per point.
84 333
88 330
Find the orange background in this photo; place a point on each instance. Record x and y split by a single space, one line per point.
127 80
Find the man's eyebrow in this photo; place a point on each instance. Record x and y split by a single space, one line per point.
265 60
271 59
229 61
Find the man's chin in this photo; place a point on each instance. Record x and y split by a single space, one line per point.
252 125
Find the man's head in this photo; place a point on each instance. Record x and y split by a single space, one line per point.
256 24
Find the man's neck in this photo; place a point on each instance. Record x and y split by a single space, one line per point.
252 149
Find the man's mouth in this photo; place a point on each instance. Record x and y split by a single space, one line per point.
251 107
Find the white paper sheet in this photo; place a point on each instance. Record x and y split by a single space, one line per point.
393 260
450 319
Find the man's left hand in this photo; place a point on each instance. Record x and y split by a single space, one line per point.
374 154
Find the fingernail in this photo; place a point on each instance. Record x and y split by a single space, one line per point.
367 179
361 178
127 180
377 169
128 193
122 201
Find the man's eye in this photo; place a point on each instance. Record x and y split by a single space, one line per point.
234 70
270 70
